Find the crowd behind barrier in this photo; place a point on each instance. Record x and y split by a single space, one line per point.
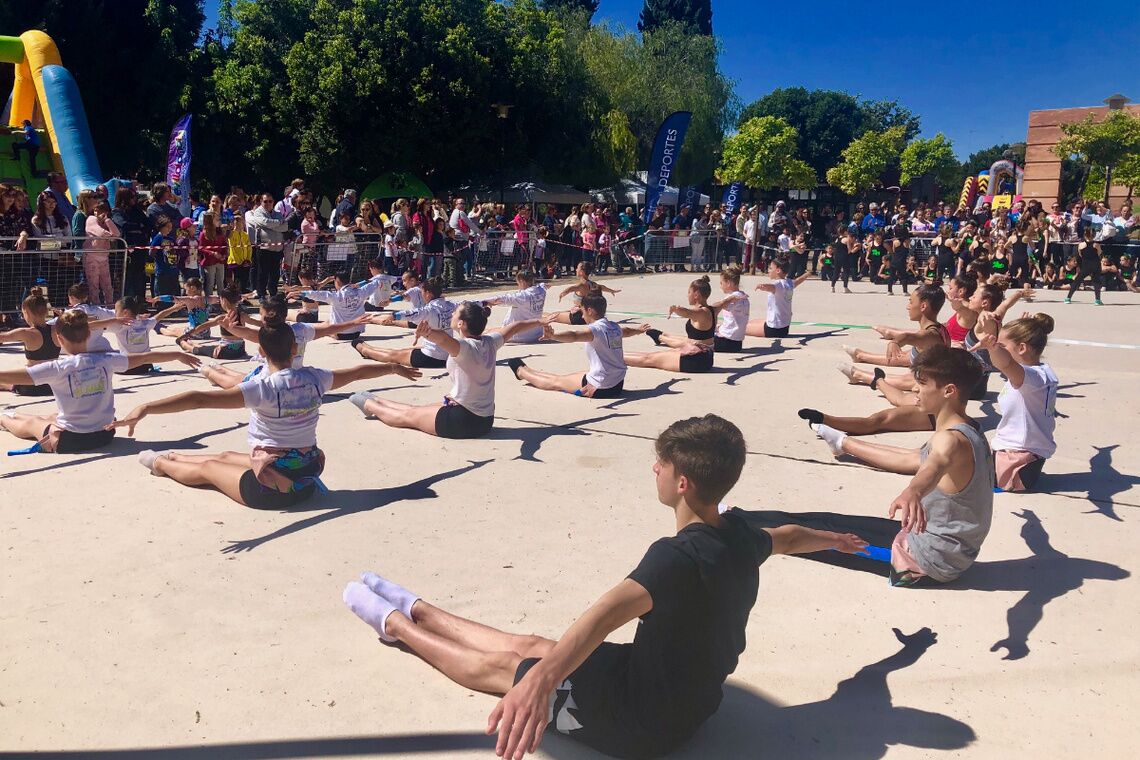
143 244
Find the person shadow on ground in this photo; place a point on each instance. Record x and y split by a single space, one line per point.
859 721
1101 482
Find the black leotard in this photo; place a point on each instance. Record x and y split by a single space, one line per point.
48 351
1020 252
695 334
1090 259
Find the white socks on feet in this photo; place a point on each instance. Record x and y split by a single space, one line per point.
369 607
359 399
393 592
148 457
832 437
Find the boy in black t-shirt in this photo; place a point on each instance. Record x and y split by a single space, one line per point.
693 593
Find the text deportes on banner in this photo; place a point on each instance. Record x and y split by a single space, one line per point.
666 149
732 196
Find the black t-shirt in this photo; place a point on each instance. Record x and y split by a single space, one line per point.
703 583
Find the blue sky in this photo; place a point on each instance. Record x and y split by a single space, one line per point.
970 70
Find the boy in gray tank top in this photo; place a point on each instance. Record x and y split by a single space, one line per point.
945 510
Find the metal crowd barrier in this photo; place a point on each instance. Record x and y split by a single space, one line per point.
54 264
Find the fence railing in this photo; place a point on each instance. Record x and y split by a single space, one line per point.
54 264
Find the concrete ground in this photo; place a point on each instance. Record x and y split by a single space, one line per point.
136 614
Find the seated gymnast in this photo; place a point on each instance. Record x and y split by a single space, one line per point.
39 348
132 329
469 411
922 306
436 312
778 317
526 304
605 377
692 353
579 290
284 465
693 592
82 383
947 506
273 310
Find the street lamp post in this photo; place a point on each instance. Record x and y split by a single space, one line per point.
502 110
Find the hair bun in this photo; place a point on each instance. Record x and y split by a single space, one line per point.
1047 323
704 278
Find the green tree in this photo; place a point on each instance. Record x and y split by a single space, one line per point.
589 7
694 16
865 159
827 120
619 146
762 154
647 79
1104 144
1127 173
932 157
134 62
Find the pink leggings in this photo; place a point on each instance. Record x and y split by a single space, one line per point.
97 270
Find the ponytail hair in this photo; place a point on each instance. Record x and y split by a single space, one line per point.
1032 330
474 314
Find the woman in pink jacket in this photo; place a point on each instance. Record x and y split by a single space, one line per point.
100 229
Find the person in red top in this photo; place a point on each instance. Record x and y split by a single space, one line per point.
213 251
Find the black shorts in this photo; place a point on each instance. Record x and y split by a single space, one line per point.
32 390
235 350
603 708
308 317
456 421
695 363
576 318
776 332
255 495
420 360
412 325
614 391
372 307
352 336
726 346
77 443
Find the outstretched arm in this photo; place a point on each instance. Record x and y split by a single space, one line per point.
16 377
447 342
163 357
630 332
325 329
520 716
796 539
228 398
605 289
801 279
925 480
514 329
342 377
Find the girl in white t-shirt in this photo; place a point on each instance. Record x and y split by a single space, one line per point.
526 304
347 303
469 411
412 298
605 377
436 312
82 383
733 312
779 315
1024 437
284 465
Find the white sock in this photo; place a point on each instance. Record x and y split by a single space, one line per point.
851 351
834 438
148 458
393 592
370 608
848 372
359 399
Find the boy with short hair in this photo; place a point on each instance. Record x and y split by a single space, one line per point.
948 504
693 592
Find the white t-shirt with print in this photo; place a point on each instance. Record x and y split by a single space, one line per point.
525 305
780 304
347 303
134 337
96 342
734 317
437 313
284 406
607 360
473 373
1028 414
81 384
383 293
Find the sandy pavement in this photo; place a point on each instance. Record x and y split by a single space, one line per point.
139 614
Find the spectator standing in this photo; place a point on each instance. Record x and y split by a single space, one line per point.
873 221
212 254
346 205
267 232
47 223
162 204
57 186
100 227
465 231
134 228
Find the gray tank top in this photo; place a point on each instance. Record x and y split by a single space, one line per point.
956 524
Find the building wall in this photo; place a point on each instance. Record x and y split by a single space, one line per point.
1042 166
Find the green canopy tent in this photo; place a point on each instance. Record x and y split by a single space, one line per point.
397 185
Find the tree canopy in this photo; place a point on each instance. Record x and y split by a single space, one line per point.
933 157
826 121
762 154
694 16
1104 144
865 159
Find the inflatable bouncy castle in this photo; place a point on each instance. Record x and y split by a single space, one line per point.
45 94
999 186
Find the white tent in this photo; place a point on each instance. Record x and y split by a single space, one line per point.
632 192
